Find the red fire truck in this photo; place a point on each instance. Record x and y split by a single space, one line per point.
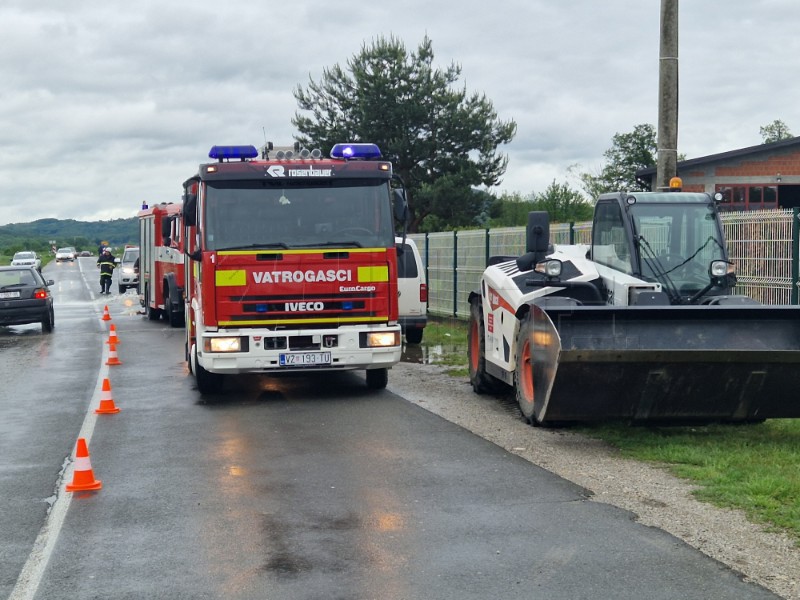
291 263
161 262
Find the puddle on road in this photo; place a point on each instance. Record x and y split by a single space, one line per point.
430 354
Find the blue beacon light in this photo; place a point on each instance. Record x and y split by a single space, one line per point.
229 152
355 151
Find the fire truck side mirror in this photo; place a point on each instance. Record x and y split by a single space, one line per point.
400 205
190 210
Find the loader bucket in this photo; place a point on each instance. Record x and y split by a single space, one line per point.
666 364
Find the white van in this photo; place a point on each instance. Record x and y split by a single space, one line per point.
412 290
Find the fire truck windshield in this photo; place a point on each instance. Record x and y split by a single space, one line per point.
294 214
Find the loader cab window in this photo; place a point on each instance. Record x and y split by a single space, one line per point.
609 241
677 243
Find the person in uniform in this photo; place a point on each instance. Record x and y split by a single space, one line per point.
107 265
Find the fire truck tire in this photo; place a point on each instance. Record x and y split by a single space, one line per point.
482 382
188 358
152 313
377 378
207 383
173 310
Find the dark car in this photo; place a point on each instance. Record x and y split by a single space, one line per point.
25 298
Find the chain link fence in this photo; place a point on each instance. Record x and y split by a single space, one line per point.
762 244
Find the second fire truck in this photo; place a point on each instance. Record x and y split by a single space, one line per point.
291 263
161 262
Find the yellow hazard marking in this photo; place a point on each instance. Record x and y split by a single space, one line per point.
237 277
373 274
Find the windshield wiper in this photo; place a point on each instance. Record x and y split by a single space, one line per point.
259 246
651 260
350 243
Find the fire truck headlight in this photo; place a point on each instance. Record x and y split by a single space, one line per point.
383 339
223 344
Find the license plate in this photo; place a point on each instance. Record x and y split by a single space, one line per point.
9 294
305 358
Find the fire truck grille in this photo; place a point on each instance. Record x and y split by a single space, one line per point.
305 305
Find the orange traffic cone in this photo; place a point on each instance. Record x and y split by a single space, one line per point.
112 355
112 335
83 476
107 405
106 316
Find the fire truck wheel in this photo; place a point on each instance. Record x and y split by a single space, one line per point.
377 378
188 358
207 383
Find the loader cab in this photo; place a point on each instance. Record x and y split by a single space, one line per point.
666 237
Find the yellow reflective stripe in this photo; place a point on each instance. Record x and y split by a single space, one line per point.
297 321
373 274
226 278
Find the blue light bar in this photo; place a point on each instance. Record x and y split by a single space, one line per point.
223 152
350 151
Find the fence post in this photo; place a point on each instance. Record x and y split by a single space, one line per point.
428 262
455 273
795 253
572 233
487 249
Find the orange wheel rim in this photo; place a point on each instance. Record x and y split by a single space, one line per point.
526 376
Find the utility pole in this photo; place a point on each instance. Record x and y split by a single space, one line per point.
667 159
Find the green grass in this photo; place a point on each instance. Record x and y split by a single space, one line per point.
754 468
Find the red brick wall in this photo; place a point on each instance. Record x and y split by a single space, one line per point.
786 164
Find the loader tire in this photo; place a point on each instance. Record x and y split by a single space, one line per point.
523 373
481 381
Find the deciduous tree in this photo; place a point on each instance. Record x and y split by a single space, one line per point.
774 132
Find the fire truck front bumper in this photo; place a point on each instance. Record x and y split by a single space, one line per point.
244 351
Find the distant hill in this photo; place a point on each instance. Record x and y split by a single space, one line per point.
84 235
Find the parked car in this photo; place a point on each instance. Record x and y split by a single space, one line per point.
412 290
27 259
67 253
25 298
128 269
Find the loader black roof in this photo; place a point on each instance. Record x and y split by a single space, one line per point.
659 197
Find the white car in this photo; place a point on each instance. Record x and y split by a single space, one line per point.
412 290
129 269
67 253
27 259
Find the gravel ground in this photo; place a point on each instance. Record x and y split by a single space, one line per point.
656 497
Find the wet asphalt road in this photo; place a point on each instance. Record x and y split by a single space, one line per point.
284 488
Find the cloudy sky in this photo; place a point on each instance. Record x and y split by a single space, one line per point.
105 105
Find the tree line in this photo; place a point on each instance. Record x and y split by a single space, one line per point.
82 235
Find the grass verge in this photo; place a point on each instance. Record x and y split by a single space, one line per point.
755 468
